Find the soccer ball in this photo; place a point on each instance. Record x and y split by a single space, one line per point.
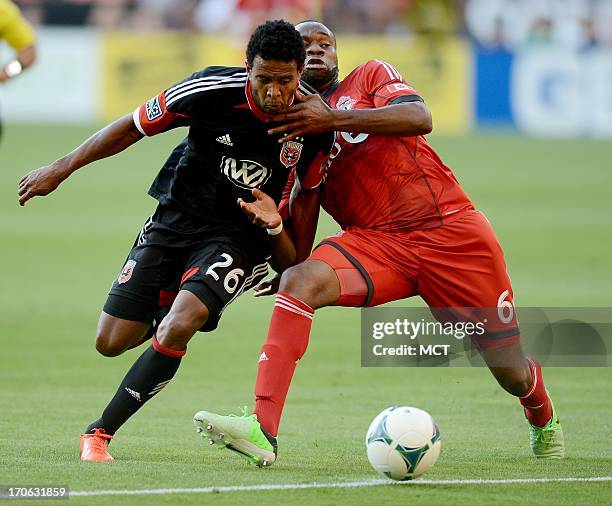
403 442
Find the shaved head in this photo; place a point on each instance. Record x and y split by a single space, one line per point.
321 69
315 26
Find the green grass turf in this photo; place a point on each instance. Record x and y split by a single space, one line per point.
550 204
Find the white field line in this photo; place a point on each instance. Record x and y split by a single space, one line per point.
349 484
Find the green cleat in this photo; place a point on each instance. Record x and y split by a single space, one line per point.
547 442
242 434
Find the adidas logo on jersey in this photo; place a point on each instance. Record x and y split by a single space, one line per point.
133 393
263 357
225 139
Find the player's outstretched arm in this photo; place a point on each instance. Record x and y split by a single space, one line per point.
313 116
109 141
264 213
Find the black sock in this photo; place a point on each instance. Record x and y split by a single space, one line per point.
149 375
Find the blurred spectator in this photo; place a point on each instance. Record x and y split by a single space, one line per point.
540 31
20 36
602 21
240 17
436 17
364 16
220 16
110 13
503 24
573 24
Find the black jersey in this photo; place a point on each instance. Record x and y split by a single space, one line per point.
227 152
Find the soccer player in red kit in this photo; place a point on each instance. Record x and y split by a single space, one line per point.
408 228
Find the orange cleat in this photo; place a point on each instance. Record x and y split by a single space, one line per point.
93 447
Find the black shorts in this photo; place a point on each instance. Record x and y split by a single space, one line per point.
216 268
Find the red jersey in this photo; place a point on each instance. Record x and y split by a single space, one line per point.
383 182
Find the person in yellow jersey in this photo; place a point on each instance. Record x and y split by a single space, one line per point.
18 34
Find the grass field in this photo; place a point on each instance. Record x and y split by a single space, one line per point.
551 205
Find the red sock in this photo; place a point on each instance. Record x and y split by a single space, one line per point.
536 402
286 343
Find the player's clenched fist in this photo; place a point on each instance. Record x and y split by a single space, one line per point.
263 211
40 182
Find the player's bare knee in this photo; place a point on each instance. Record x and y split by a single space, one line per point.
171 327
516 388
298 282
108 347
515 381
176 329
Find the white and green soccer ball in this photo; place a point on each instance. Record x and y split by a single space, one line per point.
403 442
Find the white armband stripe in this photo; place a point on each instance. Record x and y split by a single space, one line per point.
136 118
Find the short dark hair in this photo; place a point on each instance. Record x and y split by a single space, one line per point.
276 40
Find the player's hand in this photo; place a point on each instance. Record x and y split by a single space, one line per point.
263 211
40 182
267 287
311 116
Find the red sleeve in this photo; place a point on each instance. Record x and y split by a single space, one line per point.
383 83
154 117
283 207
315 173
313 178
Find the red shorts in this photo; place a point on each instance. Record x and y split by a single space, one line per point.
457 265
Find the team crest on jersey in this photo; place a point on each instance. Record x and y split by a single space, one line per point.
346 103
154 110
245 173
126 272
290 153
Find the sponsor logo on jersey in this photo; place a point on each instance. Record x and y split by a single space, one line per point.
354 138
290 153
392 88
126 272
154 110
225 139
263 357
245 173
346 103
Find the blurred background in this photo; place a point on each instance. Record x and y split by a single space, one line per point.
543 67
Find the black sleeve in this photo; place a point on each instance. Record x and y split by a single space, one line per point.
406 98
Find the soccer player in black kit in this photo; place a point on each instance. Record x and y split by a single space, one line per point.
206 243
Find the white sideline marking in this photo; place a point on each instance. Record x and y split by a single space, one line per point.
349 484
